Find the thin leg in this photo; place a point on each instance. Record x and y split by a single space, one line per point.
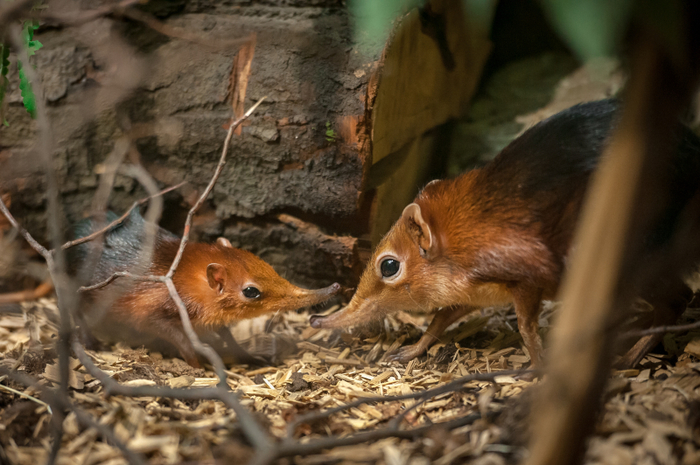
175 334
442 319
239 354
527 302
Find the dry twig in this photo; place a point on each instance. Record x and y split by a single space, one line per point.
60 403
126 8
116 222
662 329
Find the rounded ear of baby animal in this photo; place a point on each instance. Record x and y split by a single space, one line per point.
223 242
216 275
414 218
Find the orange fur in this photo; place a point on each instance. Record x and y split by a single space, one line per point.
502 233
147 306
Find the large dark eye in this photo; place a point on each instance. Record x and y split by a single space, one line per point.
251 292
390 267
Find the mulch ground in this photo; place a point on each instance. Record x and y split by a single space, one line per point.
651 414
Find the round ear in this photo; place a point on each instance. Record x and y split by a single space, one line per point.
216 276
414 219
222 241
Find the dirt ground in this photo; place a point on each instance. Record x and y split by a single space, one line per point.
651 416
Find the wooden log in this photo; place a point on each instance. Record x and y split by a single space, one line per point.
427 76
332 113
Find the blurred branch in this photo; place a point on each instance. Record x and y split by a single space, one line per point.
12 11
60 403
210 186
41 250
662 329
627 193
249 425
218 43
118 221
125 9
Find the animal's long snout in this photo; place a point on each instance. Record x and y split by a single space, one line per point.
307 298
348 316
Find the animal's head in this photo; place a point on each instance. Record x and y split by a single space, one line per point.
241 285
406 272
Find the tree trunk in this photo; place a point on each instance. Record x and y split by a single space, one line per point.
299 188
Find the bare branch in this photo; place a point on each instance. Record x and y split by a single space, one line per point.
61 403
108 434
205 194
65 291
119 274
313 447
217 43
116 222
13 11
448 387
257 436
25 234
662 329
86 16
126 9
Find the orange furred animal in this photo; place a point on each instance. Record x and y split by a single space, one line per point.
218 284
501 234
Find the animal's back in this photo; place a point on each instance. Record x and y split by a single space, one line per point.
559 154
122 246
557 151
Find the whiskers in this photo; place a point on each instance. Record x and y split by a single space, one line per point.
271 322
424 308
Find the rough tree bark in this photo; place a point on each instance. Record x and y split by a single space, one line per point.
298 188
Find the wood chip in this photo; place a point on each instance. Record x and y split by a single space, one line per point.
181 381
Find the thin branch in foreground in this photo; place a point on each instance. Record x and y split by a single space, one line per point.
65 290
217 43
41 250
317 446
115 276
13 11
662 329
119 220
86 16
266 448
207 191
448 387
249 425
60 403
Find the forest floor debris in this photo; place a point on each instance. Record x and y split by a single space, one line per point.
652 413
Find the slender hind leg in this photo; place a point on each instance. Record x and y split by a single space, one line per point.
442 319
238 353
527 302
175 334
669 299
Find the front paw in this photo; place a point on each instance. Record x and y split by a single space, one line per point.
405 354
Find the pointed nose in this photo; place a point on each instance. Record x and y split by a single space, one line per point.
313 297
316 321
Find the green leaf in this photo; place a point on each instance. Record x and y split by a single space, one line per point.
374 20
331 135
592 28
28 37
28 97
